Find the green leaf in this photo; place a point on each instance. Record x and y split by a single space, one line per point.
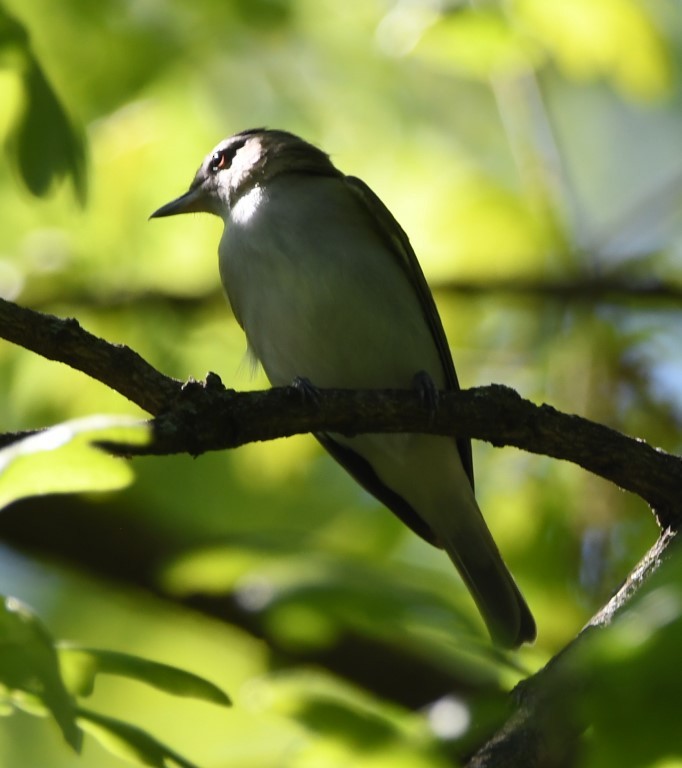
29 668
43 142
12 32
80 667
63 459
129 742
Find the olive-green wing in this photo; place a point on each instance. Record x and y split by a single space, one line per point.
396 239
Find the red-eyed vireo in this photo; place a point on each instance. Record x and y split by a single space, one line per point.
327 288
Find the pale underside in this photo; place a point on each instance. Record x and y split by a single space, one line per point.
321 295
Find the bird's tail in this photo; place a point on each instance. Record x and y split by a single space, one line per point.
472 549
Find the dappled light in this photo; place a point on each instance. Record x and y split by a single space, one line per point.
530 150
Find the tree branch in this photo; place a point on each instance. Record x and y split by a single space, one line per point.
197 417
115 365
581 290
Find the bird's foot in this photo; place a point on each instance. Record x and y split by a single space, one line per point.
427 391
307 391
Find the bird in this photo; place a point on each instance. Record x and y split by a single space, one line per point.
329 293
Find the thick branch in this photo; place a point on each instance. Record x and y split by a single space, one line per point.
115 365
199 417
209 418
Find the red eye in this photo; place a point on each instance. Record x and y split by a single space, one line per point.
222 158
218 161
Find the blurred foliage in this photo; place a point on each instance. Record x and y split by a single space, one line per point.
633 674
525 139
65 459
37 675
30 669
43 143
31 679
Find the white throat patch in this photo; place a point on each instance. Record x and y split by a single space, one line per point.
247 205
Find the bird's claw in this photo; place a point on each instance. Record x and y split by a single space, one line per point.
427 391
308 392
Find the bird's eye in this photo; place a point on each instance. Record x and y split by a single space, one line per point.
219 160
223 158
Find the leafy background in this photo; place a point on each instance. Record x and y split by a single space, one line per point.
522 144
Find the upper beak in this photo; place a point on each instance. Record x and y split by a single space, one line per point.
192 201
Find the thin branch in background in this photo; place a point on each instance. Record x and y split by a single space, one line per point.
653 293
534 145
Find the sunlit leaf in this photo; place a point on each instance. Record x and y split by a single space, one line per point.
81 666
63 459
29 665
129 742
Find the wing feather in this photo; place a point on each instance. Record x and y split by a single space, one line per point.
396 239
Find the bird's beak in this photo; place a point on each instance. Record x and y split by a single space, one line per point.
193 201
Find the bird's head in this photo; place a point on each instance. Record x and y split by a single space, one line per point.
241 162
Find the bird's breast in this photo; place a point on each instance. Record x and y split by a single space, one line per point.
318 292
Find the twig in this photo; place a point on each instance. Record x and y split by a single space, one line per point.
581 290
